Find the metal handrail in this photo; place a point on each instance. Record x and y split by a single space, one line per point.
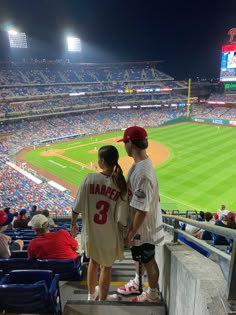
226 232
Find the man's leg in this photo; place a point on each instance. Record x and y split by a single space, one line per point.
152 273
151 267
132 287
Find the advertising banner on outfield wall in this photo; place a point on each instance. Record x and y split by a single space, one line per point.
232 122
211 121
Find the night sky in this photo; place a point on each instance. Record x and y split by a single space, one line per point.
186 35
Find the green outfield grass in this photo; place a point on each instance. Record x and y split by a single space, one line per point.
199 174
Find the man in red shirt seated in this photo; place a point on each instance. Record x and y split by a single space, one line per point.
50 245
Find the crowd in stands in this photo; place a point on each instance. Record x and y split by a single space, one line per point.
226 98
59 73
210 111
23 91
223 218
81 102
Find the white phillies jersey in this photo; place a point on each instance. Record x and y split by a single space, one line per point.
144 196
103 215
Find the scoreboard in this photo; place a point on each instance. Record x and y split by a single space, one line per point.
228 63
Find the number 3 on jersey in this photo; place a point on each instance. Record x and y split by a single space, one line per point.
103 207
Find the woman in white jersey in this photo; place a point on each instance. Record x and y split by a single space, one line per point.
102 202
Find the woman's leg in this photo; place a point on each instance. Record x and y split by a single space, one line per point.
104 282
92 275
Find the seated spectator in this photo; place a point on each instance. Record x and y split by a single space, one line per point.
6 244
33 211
206 235
22 221
201 216
16 214
8 210
227 221
50 220
222 212
230 219
193 230
50 245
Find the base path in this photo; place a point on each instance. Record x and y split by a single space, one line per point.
156 151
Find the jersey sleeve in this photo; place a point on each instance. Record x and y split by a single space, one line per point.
142 194
78 202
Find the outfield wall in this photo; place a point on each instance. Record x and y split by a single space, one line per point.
213 121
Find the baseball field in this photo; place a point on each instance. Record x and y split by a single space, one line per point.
195 163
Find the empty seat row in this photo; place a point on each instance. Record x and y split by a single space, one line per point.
68 269
31 292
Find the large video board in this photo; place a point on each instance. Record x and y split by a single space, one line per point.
228 63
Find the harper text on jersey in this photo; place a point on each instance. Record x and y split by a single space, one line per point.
104 190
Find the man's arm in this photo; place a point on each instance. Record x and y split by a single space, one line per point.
138 220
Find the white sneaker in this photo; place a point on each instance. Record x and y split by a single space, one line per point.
94 296
110 297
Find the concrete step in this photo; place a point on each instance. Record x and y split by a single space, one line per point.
114 308
74 295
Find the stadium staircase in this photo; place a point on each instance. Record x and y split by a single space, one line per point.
74 296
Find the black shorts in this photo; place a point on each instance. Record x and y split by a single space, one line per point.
14 246
146 251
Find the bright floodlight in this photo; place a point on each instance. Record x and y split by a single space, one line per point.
73 44
17 40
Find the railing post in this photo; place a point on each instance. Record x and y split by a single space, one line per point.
175 235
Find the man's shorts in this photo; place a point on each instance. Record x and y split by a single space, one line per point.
146 251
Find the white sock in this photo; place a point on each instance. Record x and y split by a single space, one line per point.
136 279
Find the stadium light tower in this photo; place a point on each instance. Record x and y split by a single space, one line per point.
17 39
73 44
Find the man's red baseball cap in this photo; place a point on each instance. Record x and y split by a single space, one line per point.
134 133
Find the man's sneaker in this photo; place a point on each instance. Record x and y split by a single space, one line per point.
130 288
145 297
94 296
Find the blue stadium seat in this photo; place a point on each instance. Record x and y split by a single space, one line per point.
68 269
197 247
9 264
19 254
31 292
